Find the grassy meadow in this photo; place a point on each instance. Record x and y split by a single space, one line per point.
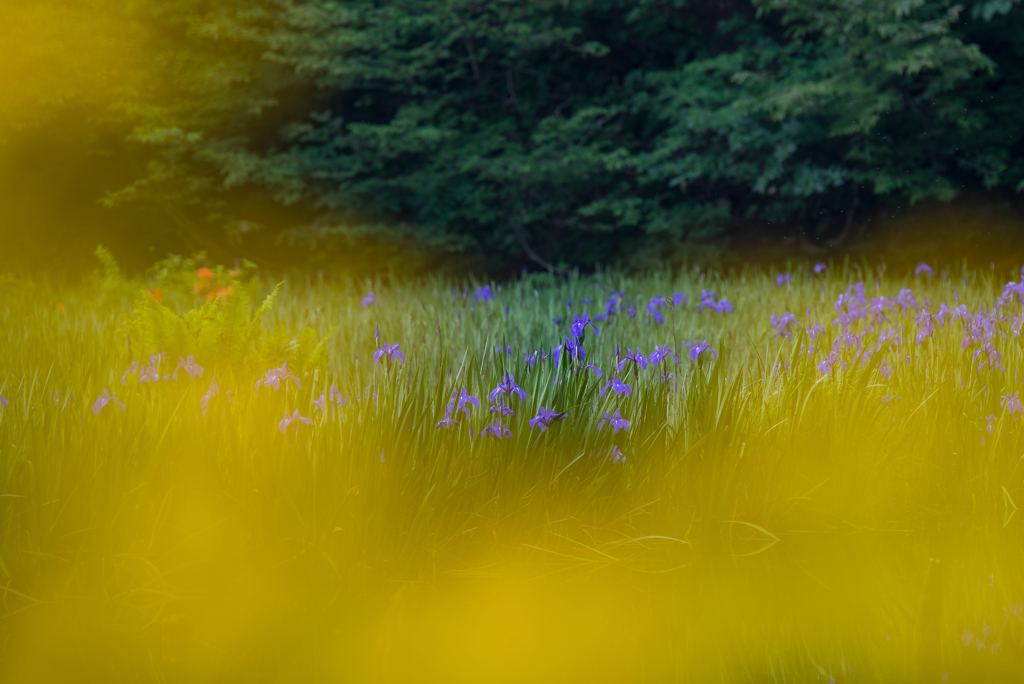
826 499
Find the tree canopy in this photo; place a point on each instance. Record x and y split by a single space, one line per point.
574 131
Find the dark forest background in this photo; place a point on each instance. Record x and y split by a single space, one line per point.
497 134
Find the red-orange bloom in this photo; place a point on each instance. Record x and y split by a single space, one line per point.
155 294
204 273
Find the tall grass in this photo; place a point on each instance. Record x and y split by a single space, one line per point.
770 522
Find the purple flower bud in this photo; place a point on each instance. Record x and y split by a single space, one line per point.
544 418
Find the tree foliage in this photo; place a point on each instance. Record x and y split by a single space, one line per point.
575 131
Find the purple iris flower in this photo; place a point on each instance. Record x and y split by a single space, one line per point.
925 326
462 402
368 300
496 429
616 454
594 368
724 306
885 369
545 418
636 357
335 396
820 268
813 331
830 361
275 376
189 366
447 422
923 268
5 403
389 350
102 401
294 418
782 325
133 369
617 421
991 355
483 294
557 321
507 386
151 372
906 299
679 299
660 353
701 347
1012 403
580 324
501 409
782 278
204 401
618 387
588 300
507 349
573 349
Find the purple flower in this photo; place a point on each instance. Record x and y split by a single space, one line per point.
906 299
587 300
102 401
617 421
782 325
275 376
782 278
462 402
389 350
447 422
701 347
483 294
991 354
724 306
5 403
133 369
321 403
925 326
294 418
507 349
496 429
820 268
580 324
335 396
830 361
679 299
636 357
557 321
204 401
501 409
660 353
507 386
618 387
813 331
923 268
594 368
545 418
368 300
616 454
1012 403
189 366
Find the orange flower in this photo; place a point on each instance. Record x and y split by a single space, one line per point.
224 292
155 294
199 287
231 272
60 306
205 274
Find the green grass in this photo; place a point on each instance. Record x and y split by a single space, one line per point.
770 522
